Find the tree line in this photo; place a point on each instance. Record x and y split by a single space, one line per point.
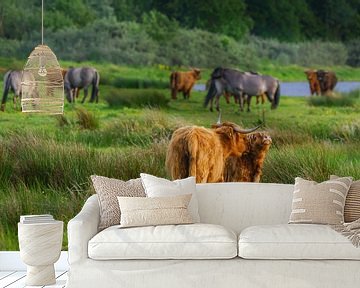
240 33
291 21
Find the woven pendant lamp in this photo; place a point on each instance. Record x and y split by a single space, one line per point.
42 84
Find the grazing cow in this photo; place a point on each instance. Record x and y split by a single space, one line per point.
227 95
75 91
12 82
183 82
314 84
78 78
200 152
327 80
242 85
248 166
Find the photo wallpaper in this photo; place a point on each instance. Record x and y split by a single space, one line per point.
226 91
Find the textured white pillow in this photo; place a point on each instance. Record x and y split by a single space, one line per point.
146 211
160 187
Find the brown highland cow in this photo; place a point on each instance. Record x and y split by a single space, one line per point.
200 152
248 166
183 82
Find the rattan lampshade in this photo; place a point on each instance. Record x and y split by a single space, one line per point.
42 84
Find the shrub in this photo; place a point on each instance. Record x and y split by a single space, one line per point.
347 132
136 98
304 53
62 121
86 119
334 100
159 40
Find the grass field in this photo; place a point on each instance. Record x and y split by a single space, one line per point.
46 161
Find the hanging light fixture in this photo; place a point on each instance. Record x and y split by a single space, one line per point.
42 84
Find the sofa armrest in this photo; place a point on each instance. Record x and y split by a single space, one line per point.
82 228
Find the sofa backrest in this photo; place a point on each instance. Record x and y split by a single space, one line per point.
239 205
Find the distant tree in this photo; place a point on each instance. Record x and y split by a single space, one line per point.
102 9
339 19
130 10
226 16
18 18
68 13
282 19
158 26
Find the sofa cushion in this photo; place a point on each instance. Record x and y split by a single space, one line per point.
352 202
290 241
107 190
192 241
145 211
160 187
319 203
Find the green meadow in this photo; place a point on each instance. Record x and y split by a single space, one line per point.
46 161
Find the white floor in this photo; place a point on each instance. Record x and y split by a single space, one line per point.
16 279
13 271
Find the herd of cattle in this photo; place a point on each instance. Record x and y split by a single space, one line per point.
244 85
224 81
228 82
74 80
224 153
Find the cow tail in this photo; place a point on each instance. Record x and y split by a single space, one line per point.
211 93
7 87
193 146
95 88
177 157
276 96
173 80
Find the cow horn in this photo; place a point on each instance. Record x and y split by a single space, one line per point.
246 131
219 118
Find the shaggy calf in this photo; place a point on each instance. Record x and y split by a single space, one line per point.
248 166
183 82
200 152
314 84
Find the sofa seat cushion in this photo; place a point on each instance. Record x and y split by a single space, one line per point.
295 241
192 241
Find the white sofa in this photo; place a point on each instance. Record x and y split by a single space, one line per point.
249 245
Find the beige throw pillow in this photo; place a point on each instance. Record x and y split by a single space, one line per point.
138 211
107 190
320 203
160 187
352 202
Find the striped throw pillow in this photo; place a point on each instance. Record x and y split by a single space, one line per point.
145 211
352 203
320 203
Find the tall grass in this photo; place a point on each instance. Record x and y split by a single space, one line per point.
335 99
136 83
313 161
86 119
43 176
137 98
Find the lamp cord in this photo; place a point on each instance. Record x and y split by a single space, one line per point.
42 22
